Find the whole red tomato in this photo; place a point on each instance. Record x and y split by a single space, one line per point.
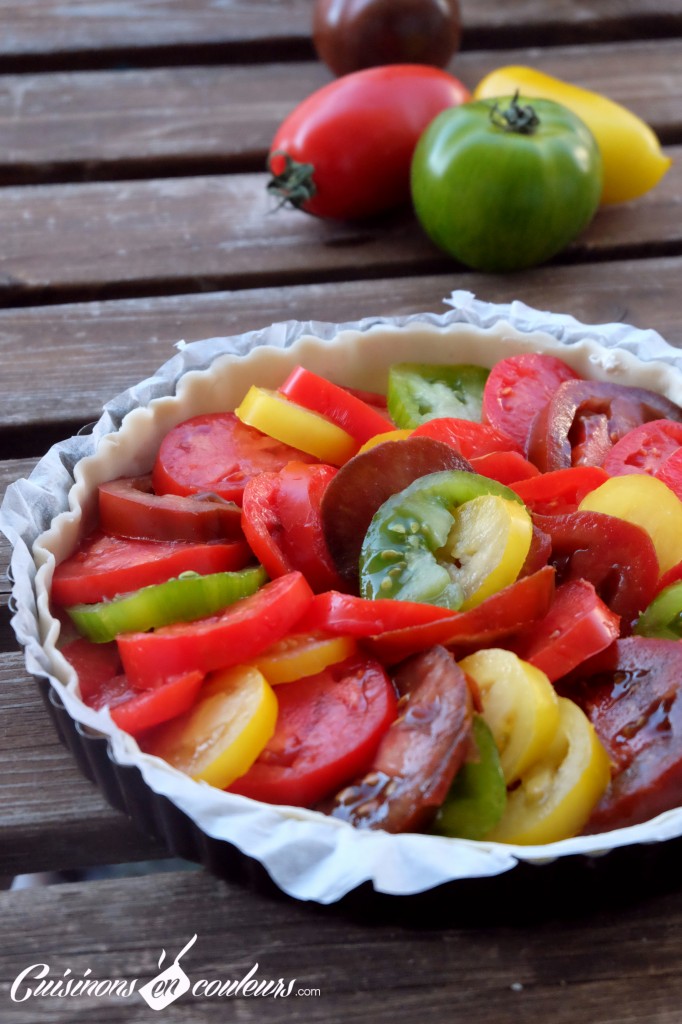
345 151
354 34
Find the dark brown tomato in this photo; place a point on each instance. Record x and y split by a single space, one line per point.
585 418
632 694
617 557
354 34
420 753
366 481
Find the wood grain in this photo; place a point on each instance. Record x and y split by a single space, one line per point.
83 126
122 239
48 33
376 970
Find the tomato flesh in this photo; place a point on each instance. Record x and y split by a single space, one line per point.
328 728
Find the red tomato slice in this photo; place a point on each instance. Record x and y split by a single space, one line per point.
644 449
328 728
466 436
577 626
282 523
234 636
348 411
373 398
551 494
349 615
217 453
95 664
670 472
501 615
632 694
104 567
102 684
129 508
673 575
584 419
505 467
517 387
617 557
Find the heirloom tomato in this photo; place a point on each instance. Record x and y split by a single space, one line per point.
631 153
353 34
345 151
502 186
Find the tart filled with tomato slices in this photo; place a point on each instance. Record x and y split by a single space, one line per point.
437 598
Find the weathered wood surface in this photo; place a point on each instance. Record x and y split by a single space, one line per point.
123 239
620 967
44 33
85 125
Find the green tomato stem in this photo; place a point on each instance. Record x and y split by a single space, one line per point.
294 185
518 119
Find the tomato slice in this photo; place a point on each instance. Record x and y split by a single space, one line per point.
129 508
632 694
220 737
577 626
559 491
348 411
517 387
505 467
418 392
142 711
420 752
555 798
102 684
670 472
104 567
478 795
95 664
217 453
348 615
302 654
499 616
283 525
234 636
466 436
328 727
584 419
644 449
617 557
293 424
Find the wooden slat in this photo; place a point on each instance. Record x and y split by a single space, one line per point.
88 353
118 239
50 32
606 968
52 817
99 124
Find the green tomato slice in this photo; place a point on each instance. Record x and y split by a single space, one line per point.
418 392
478 795
419 547
183 599
663 617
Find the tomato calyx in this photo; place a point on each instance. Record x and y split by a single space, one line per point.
522 120
294 184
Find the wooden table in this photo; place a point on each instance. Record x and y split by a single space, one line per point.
133 214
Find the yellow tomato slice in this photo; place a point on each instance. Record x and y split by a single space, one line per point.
556 796
222 735
296 657
389 435
301 428
647 502
487 546
520 706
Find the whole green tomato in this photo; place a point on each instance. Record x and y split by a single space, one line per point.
501 185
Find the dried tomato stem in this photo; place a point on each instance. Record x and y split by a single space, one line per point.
293 185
